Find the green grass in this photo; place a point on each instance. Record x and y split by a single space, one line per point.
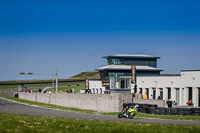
152 116
26 123
8 87
35 81
89 75
139 115
45 85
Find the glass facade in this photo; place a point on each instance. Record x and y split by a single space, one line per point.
105 75
120 83
115 75
116 61
135 61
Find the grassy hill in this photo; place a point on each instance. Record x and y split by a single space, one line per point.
170 75
80 76
89 75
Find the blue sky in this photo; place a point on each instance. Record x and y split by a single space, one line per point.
38 36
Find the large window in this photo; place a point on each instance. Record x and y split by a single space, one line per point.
116 61
120 83
115 74
135 61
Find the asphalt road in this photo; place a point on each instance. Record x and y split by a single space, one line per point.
18 108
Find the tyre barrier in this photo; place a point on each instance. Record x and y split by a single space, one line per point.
153 109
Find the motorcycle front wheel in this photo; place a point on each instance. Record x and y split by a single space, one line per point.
130 116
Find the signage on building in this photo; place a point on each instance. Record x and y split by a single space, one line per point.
133 74
105 84
86 83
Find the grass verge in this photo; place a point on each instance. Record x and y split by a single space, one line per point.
39 85
139 115
27 123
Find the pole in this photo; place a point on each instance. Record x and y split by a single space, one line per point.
53 81
56 79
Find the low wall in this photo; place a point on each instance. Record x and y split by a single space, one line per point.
127 98
100 102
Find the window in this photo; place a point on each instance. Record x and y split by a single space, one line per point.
117 61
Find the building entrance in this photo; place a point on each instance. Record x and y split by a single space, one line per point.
177 96
189 93
169 93
154 93
161 93
122 83
199 96
147 92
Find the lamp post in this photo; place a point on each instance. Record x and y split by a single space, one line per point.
195 95
56 79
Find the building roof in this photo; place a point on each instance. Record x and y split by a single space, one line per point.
189 70
128 67
130 56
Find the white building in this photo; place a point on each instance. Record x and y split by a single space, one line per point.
180 89
116 79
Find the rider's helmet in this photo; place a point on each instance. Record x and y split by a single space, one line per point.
136 106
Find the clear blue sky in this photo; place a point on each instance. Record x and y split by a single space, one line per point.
39 35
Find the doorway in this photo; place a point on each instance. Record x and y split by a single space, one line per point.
154 93
147 92
122 83
140 91
199 96
169 93
161 93
189 93
177 96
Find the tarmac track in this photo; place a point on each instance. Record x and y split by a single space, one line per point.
8 106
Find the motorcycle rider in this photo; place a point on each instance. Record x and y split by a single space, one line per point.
126 112
136 108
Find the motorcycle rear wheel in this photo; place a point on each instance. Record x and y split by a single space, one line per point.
120 115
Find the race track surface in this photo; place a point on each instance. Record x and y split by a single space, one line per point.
8 106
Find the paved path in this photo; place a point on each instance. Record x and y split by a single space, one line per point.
18 108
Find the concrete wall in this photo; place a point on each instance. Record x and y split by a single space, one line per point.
98 102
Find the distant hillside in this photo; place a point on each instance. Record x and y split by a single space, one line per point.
170 75
89 75
96 75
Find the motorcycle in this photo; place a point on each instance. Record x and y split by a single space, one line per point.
128 112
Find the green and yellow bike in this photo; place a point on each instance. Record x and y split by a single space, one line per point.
128 112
